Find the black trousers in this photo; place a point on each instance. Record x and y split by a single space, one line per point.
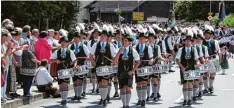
48 89
27 83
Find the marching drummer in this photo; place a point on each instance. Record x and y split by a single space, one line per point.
65 58
82 53
187 59
155 77
203 57
94 39
146 56
126 58
103 52
213 50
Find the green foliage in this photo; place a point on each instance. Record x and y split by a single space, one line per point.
228 20
198 10
35 13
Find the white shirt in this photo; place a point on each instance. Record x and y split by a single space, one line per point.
89 43
85 48
178 56
159 51
136 56
150 51
72 55
43 76
112 48
201 51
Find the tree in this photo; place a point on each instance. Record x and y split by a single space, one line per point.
36 13
198 10
228 20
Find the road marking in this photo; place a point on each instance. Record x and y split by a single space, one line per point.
179 99
227 89
232 74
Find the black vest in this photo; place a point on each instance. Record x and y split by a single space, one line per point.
92 42
211 49
67 60
166 44
81 53
145 57
190 63
203 50
160 44
155 51
125 66
99 57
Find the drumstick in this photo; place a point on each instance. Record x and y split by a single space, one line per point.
108 58
81 57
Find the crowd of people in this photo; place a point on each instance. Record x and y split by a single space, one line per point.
29 56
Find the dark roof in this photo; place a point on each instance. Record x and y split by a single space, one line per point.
110 6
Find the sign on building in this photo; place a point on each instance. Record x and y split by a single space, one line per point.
138 16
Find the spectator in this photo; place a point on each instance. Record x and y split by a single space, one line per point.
28 70
43 49
44 81
34 38
19 44
26 32
6 47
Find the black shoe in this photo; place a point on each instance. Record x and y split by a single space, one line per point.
171 71
139 102
64 102
143 103
104 102
199 94
97 91
205 91
158 95
211 90
93 91
116 94
74 98
194 98
152 95
108 98
147 99
100 102
185 102
78 98
127 106
189 103
83 94
155 99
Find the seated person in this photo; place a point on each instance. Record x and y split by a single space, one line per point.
44 81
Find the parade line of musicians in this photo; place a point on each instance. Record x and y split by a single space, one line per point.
189 47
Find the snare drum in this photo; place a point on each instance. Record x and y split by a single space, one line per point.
157 68
191 75
65 73
82 70
205 67
144 71
165 67
104 70
215 66
88 64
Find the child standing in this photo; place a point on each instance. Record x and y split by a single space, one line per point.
224 55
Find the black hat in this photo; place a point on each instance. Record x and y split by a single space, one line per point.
127 36
64 38
151 35
188 38
105 32
208 31
141 35
117 32
76 34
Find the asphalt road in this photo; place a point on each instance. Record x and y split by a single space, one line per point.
171 91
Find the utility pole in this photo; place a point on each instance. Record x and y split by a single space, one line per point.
119 15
